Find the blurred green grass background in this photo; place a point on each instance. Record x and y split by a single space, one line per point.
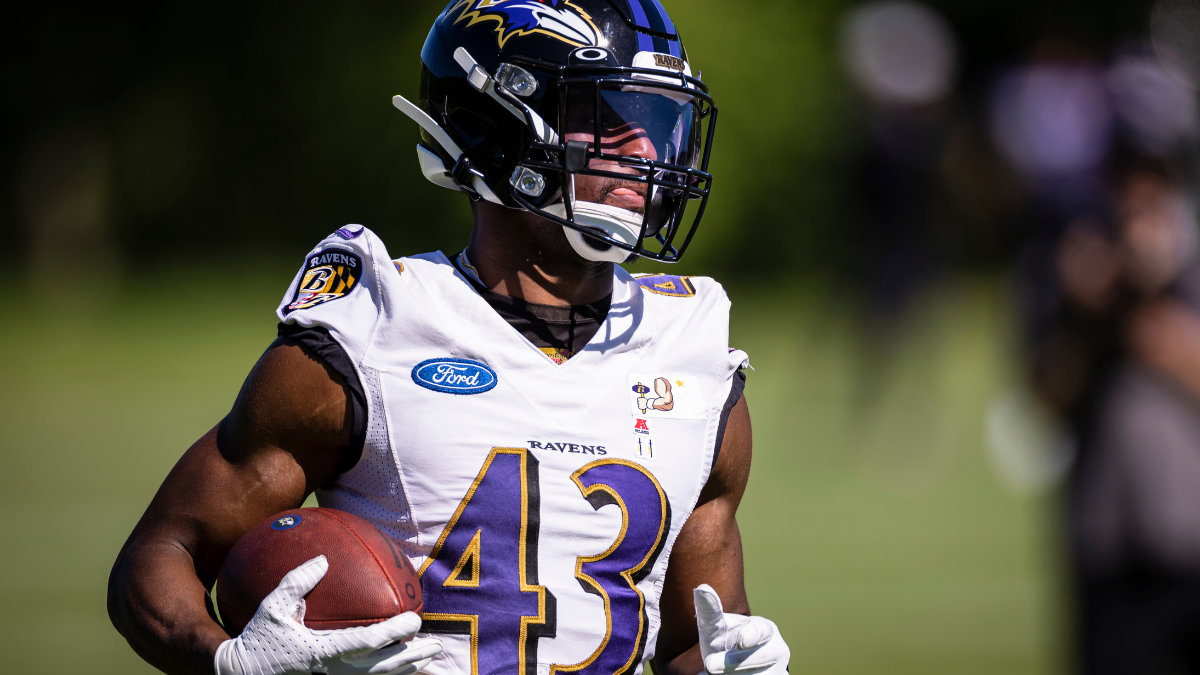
145 139
876 534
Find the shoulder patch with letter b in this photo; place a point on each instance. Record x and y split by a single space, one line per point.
329 274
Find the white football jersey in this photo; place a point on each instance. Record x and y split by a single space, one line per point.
539 501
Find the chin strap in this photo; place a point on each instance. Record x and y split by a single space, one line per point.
615 223
462 176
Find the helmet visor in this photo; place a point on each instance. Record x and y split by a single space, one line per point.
632 154
635 121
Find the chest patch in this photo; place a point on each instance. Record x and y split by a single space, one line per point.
454 376
669 396
329 274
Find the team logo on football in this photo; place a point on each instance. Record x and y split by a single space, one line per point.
558 19
286 523
454 376
328 275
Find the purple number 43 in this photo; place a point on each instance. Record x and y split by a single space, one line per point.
481 577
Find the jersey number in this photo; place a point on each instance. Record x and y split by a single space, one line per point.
481 577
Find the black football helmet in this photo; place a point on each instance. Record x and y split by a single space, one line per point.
514 94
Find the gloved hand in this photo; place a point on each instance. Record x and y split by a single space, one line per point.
732 643
276 641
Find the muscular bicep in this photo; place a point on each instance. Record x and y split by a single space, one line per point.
708 550
283 438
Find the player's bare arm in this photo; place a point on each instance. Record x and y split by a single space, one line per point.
529 423
284 437
708 551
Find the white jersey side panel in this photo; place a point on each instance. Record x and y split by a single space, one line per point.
539 501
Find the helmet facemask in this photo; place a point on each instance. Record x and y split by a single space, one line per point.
641 190
603 131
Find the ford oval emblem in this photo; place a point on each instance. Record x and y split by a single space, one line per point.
454 376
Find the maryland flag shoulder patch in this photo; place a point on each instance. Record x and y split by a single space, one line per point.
329 274
667 284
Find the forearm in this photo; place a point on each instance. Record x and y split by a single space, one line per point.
687 663
285 435
708 551
157 602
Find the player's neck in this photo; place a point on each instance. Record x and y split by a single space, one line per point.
523 256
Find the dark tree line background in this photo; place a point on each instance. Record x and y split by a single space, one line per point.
144 136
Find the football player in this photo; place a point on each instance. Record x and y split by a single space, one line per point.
559 447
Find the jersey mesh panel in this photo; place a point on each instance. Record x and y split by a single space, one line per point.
378 493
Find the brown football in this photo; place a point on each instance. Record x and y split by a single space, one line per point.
369 579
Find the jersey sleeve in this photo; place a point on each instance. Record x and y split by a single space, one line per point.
736 390
319 343
695 311
339 288
734 370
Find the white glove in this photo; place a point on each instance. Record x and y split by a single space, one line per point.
732 643
277 642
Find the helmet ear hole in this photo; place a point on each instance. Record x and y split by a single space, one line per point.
471 127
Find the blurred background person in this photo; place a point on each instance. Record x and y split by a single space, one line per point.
1111 292
889 169
926 193
903 58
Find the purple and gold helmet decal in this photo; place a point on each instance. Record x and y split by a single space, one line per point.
558 19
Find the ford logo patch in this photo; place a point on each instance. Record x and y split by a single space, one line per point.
454 376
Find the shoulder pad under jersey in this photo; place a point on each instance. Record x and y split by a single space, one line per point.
703 311
666 284
339 287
